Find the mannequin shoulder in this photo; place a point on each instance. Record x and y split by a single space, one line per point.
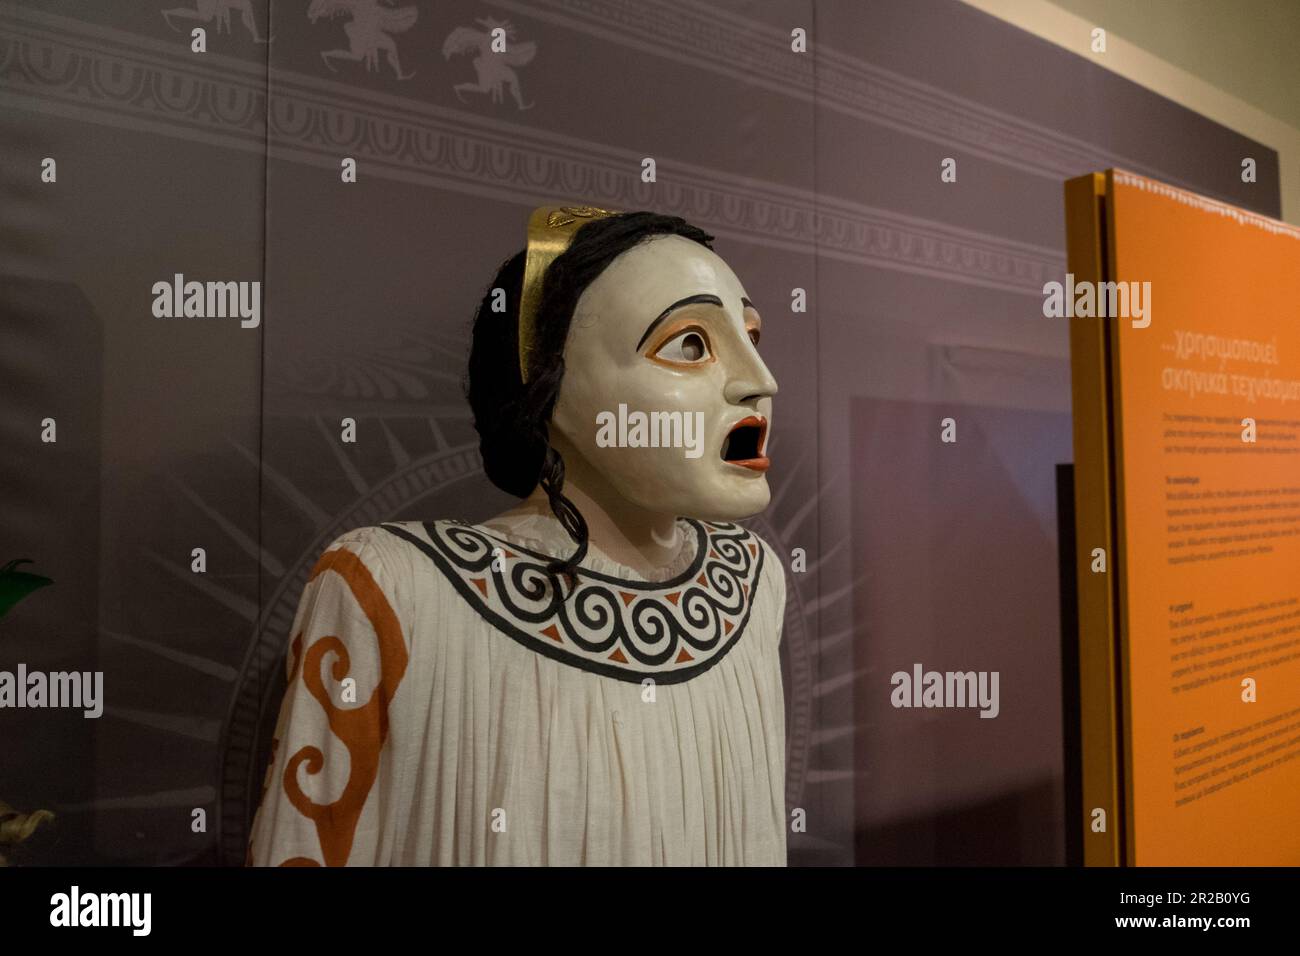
768 589
395 553
396 541
424 558
773 567
421 569
372 544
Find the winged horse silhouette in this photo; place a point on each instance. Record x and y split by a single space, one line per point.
205 11
368 33
495 71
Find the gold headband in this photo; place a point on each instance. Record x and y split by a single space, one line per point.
550 230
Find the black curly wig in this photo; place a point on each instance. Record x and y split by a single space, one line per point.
512 418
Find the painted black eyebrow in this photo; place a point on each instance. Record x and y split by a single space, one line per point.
689 300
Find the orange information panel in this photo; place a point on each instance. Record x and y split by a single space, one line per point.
1185 349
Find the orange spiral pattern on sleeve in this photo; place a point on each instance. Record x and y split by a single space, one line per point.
363 729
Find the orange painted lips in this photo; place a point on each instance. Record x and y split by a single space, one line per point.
745 444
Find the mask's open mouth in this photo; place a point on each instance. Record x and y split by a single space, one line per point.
746 443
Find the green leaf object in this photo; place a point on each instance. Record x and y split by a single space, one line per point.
16 585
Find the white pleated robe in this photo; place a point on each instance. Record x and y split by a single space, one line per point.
441 711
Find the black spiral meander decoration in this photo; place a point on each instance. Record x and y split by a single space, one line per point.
594 621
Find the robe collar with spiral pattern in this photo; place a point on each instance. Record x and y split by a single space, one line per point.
667 631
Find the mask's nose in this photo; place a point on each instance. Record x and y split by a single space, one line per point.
751 382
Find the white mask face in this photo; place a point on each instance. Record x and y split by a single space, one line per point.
664 393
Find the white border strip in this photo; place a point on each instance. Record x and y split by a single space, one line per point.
1206 204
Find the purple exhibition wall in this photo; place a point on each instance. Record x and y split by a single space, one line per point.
817 171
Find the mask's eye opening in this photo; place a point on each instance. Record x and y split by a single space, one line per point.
687 347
